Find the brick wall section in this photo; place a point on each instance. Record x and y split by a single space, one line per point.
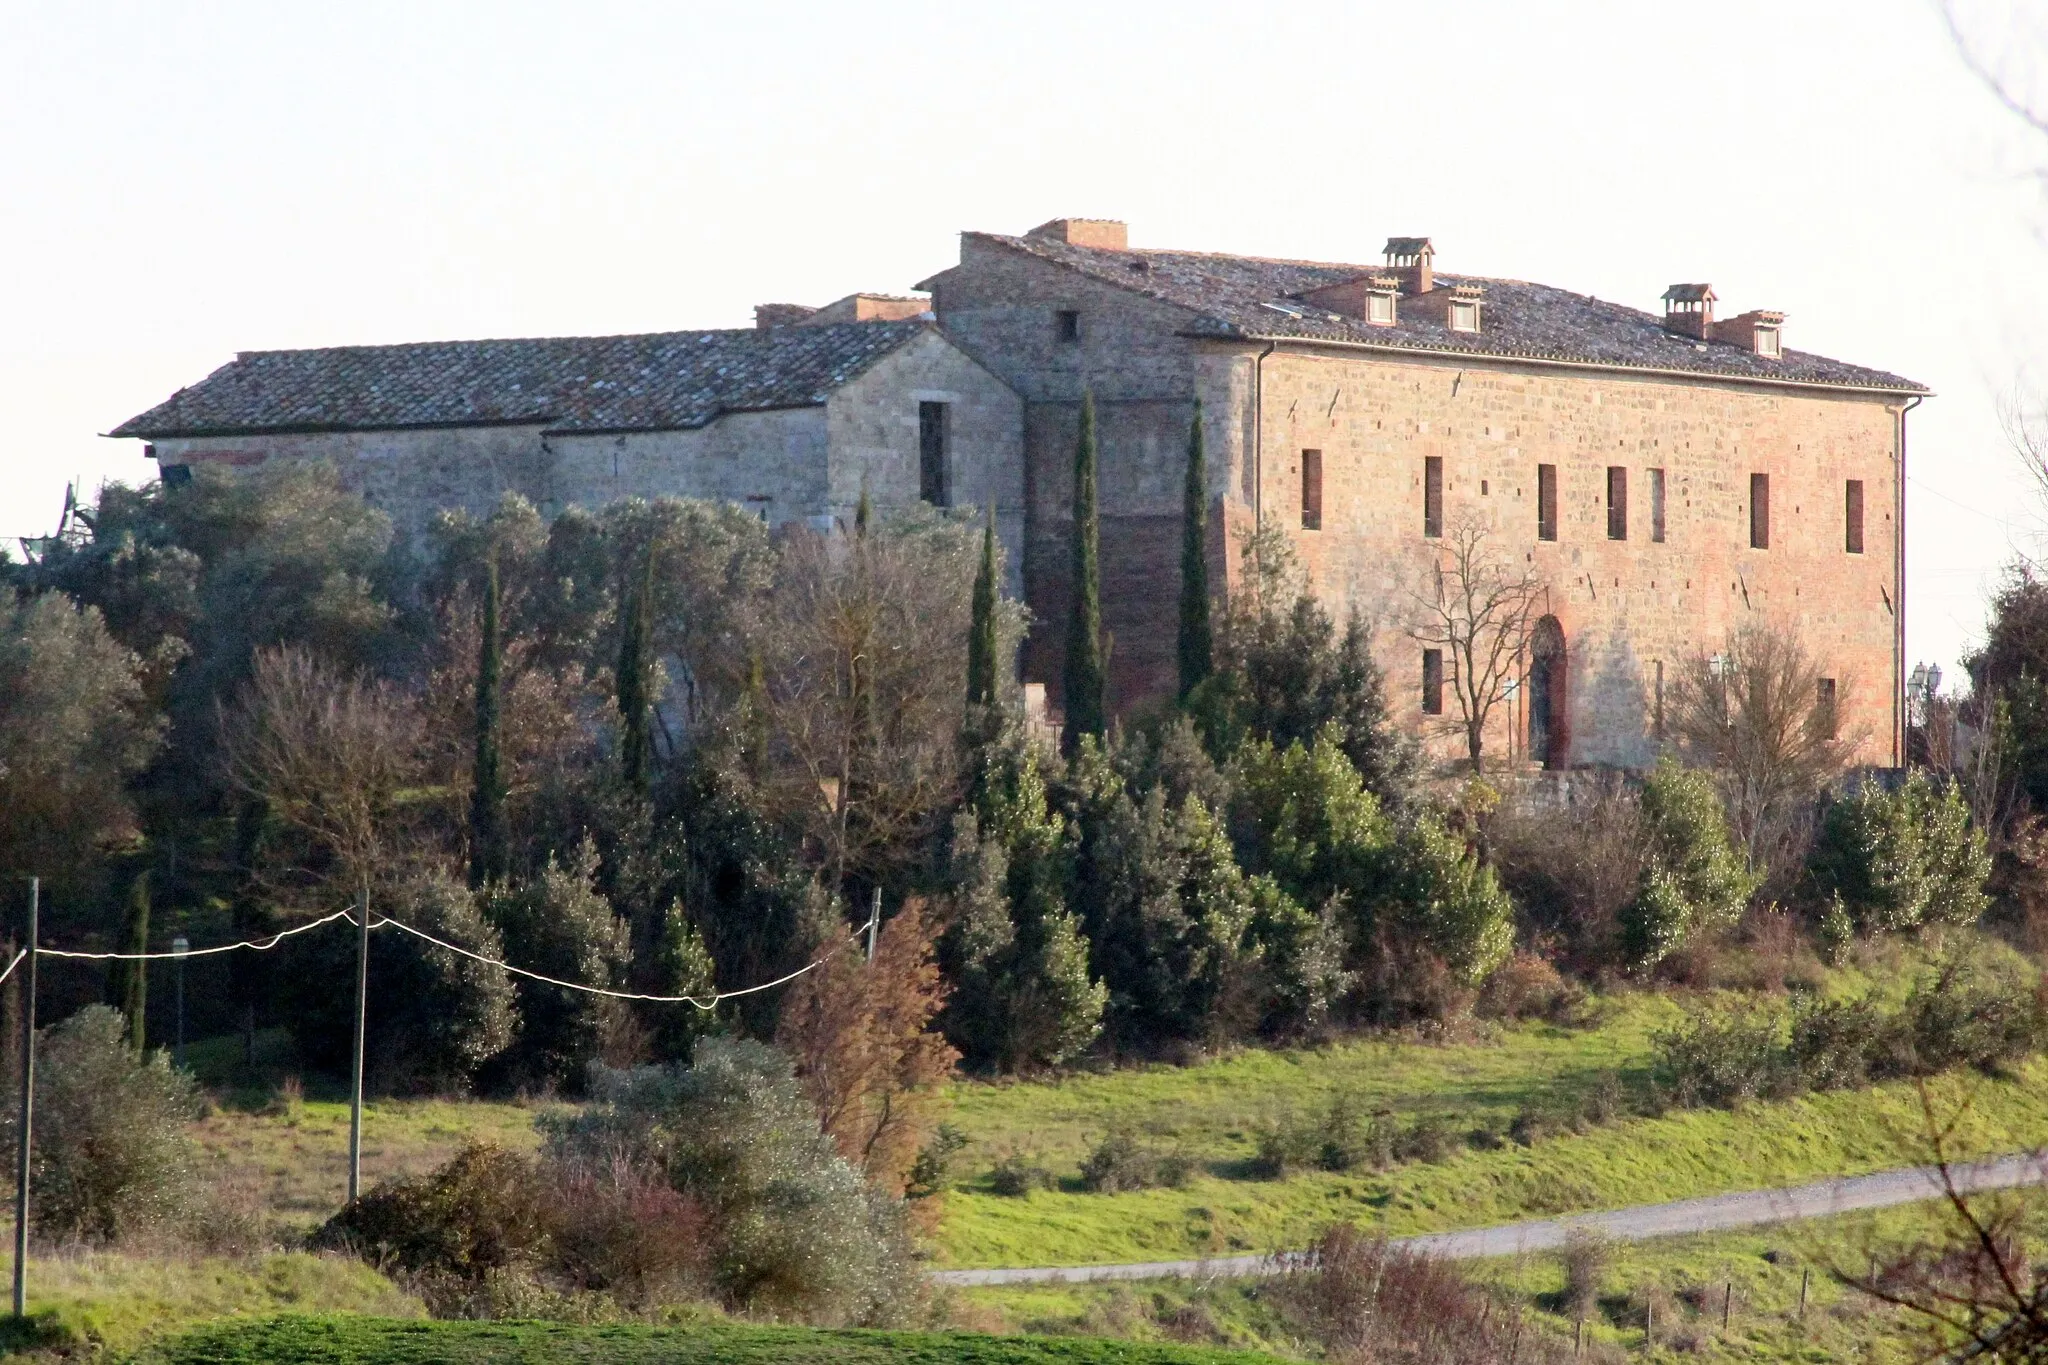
1001 307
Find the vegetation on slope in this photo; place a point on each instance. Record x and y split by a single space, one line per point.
370 1341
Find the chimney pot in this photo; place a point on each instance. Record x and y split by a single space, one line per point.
1413 258
1689 310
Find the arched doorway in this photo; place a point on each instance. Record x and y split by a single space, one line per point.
1550 734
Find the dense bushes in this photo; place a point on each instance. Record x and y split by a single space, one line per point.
791 1228
711 1181
1899 860
1693 880
1982 1010
111 1154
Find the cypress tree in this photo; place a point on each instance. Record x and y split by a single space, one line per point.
1082 680
128 982
636 646
981 636
1196 636
864 512
487 834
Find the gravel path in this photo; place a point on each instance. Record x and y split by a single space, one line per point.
1750 1208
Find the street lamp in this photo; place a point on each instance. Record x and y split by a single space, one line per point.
179 947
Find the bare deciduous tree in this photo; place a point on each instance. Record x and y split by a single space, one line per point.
331 754
1477 607
1759 715
1972 1285
863 657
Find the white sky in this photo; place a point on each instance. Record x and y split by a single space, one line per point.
180 181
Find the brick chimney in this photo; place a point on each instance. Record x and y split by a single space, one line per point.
1760 330
1689 311
1413 259
870 308
1104 234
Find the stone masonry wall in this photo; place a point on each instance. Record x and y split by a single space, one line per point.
1625 606
873 428
410 475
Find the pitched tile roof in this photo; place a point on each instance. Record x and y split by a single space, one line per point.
650 382
1250 297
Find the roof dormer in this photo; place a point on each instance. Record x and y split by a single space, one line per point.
1760 330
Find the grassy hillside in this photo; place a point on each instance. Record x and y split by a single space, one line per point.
370 1341
1682 1154
1685 1277
114 1302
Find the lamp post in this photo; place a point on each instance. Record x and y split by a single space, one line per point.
179 947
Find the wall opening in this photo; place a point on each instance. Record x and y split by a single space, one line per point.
932 423
1852 513
1432 682
1549 727
1759 511
1067 324
1617 502
1657 506
1546 502
1311 490
1433 495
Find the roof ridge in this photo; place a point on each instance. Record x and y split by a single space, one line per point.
763 333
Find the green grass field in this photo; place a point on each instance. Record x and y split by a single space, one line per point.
106 1303
1685 1278
1212 1112
363 1341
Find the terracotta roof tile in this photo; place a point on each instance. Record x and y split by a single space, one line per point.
1253 297
655 381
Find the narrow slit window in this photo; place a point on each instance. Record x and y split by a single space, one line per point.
1069 324
1546 502
1311 490
1617 502
1432 682
1826 715
1852 512
1432 495
1657 506
1759 511
931 453
1657 714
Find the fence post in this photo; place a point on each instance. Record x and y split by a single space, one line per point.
1727 1300
25 1138
1804 1276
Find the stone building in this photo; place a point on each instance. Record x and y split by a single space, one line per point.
1665 476
789 419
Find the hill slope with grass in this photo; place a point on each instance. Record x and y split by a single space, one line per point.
374 1341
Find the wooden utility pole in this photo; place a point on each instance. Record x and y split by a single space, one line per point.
355 1101
25 1138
